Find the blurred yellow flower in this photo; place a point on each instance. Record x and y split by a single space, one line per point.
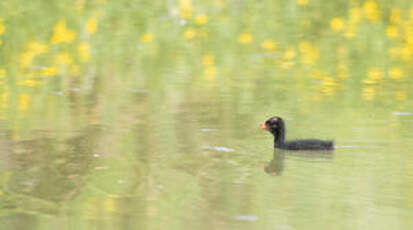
245 38
2 26
210 72
189 34
99 14
287 64
63 58
146 38
61 34
394 52
371 10
3 100
83 50
317 74
368 93
28 83
2 72
337 24
305 47
79 5
369 81
26 58
91 25
208 60
74 70
411 13
32 49
30 74
375 75
24 100
201 19
400 95
405 53
355 15
50 71
309 53
302 2
269 45
392 31
305 23
395 15
289 54
203 33
328 81
185 9
342 71
328 91
37 47
395 73
109 204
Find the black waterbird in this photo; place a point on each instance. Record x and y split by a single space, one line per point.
276 126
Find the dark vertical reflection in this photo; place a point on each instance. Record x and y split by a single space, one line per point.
46 171
276 165
19 221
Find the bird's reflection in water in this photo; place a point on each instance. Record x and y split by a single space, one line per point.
275 167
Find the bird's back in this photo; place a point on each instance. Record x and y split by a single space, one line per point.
311 144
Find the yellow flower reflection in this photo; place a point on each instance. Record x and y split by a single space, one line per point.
83 50
210 72
400 95
245 38
289 53
392 31
309 52
394 52
37 47
2 26
269 45
28 83
189 34
395 15
2 73
24 100
208 60
91 25
63 58
74 70
375 74
50 71
201 19
355 15
369 93
395 73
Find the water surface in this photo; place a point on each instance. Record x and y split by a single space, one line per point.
142 115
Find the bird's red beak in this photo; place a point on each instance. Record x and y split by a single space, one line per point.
264 127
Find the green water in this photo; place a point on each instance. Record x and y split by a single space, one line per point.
145 115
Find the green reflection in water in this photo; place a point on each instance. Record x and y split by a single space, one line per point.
143 115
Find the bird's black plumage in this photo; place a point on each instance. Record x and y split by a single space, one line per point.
276 126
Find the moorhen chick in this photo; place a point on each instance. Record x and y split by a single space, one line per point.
275 125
